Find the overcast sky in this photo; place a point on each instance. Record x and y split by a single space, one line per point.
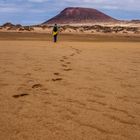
29 12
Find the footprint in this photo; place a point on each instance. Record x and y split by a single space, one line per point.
28 74
64 57
78 52
62 60
63 65
37 69
67 69
56 73
72 54
57 79
20 95
30 81
36 86
68 62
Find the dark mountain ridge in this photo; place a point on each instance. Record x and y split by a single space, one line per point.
80 15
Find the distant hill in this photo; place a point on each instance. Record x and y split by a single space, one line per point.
80 15
18 27
135 21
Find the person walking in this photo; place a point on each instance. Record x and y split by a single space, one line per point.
55 32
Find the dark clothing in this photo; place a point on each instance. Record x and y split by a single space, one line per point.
55 29
55 33
55 38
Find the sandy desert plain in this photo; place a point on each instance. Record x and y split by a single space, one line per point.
84 87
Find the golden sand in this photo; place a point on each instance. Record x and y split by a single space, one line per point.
70 90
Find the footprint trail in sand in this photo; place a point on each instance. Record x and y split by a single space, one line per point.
70 91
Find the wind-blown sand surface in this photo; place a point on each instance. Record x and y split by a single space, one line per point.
69 90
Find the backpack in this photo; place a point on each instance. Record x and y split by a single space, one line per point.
55 29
